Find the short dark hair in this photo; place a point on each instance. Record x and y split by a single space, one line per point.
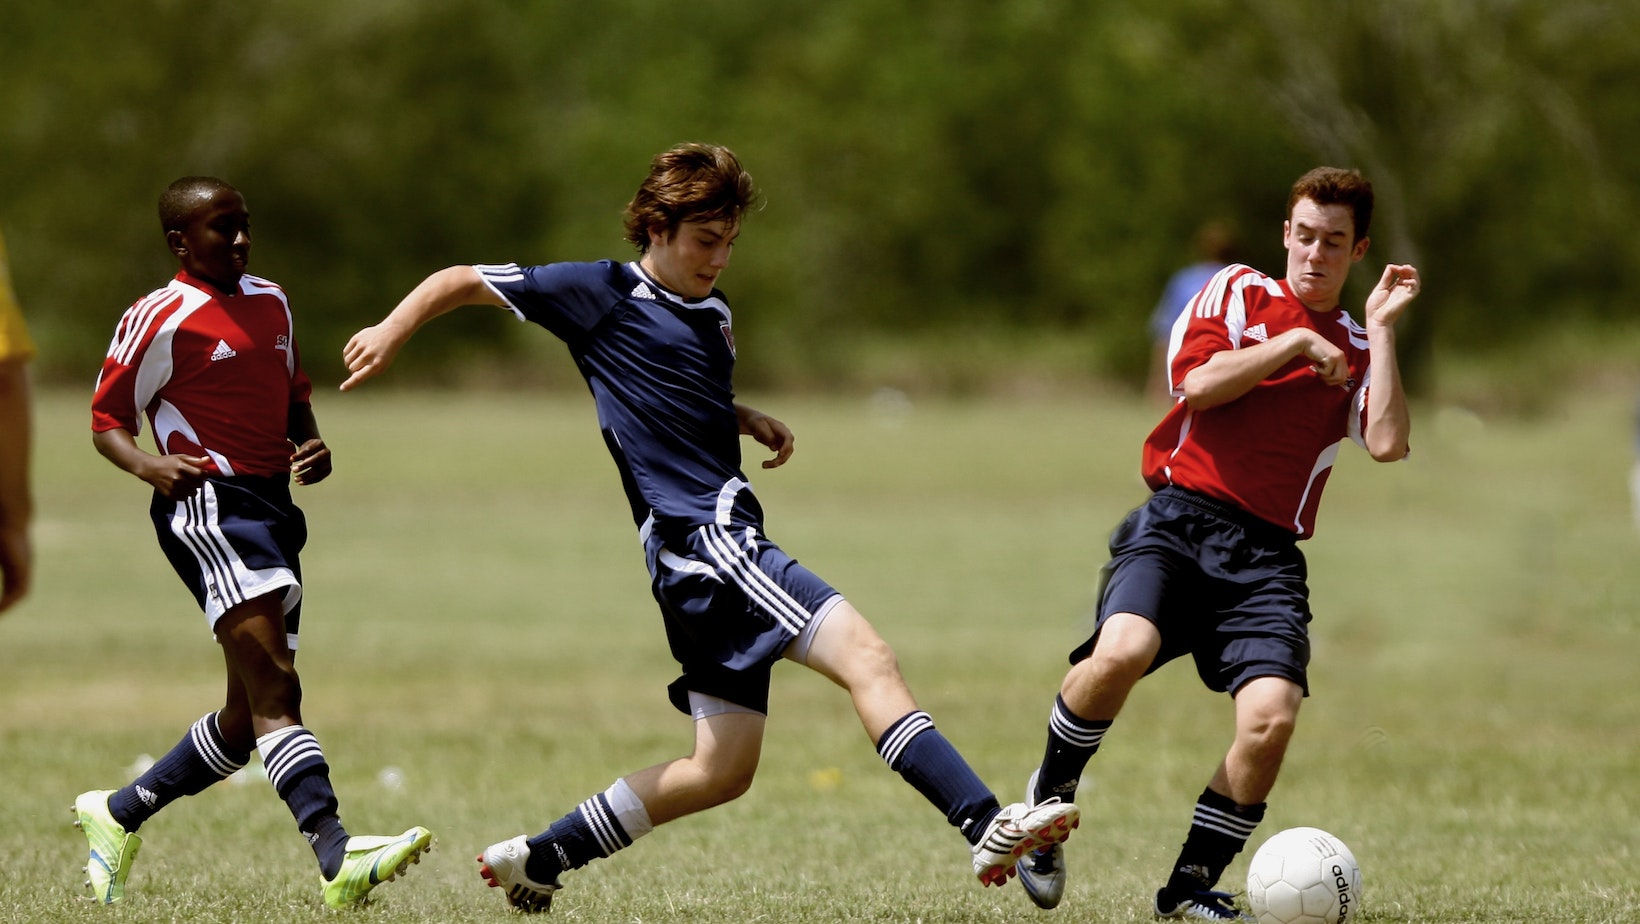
1336 186
179 200
690 182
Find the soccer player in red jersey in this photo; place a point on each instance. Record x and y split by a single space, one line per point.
1269 376
210 359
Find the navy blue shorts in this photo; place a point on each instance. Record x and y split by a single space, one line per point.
732 601
1222 586
236 539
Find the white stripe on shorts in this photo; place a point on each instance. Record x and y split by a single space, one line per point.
732 561
229 581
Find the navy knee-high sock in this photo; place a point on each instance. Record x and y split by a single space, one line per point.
1072 742
1219 829
915 749
201 758
299 774
590 831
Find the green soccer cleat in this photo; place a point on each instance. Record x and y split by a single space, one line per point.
373 860
112 847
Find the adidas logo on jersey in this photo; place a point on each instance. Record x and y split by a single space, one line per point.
642 290
222 351
1257 332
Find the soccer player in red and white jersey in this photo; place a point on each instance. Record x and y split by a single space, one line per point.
1269 377
210 361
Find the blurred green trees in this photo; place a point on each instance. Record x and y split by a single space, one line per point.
1035 165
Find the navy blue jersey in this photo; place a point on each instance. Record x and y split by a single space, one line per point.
660 368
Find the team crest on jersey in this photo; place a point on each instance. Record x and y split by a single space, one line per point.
281 342
728 335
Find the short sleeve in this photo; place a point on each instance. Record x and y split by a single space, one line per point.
569 299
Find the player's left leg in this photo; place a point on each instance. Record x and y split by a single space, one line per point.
260 658
1232 805
845 648
728 745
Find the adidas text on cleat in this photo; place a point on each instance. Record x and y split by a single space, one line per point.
1016 831
502 866
112 847
1042 871
372 860
1201 906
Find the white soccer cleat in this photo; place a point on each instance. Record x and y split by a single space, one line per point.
502 866
1016 831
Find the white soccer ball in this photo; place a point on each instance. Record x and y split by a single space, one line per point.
1304 876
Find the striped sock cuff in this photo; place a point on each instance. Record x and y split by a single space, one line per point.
606 830
891 747
1073 729
1223 817
288 754
206 737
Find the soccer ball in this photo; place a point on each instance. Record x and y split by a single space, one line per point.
1304 876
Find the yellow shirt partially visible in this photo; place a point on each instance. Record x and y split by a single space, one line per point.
15 342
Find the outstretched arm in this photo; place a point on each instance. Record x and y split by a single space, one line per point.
1389 425
370 351
768 431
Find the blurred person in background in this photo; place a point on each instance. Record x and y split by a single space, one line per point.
16 446
1217 245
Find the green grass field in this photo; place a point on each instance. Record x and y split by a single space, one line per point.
477 617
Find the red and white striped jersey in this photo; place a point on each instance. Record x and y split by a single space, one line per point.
1270 451
215 373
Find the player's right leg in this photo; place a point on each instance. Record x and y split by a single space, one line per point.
728 745
845 648
1089 699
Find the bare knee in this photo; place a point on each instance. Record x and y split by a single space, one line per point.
1269 732
1266 716
874 659
731 786
1125 649
722 781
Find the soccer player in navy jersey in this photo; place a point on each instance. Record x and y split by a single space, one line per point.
654 341
1269 376
210 359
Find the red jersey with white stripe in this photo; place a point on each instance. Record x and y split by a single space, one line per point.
1270 451
215 373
